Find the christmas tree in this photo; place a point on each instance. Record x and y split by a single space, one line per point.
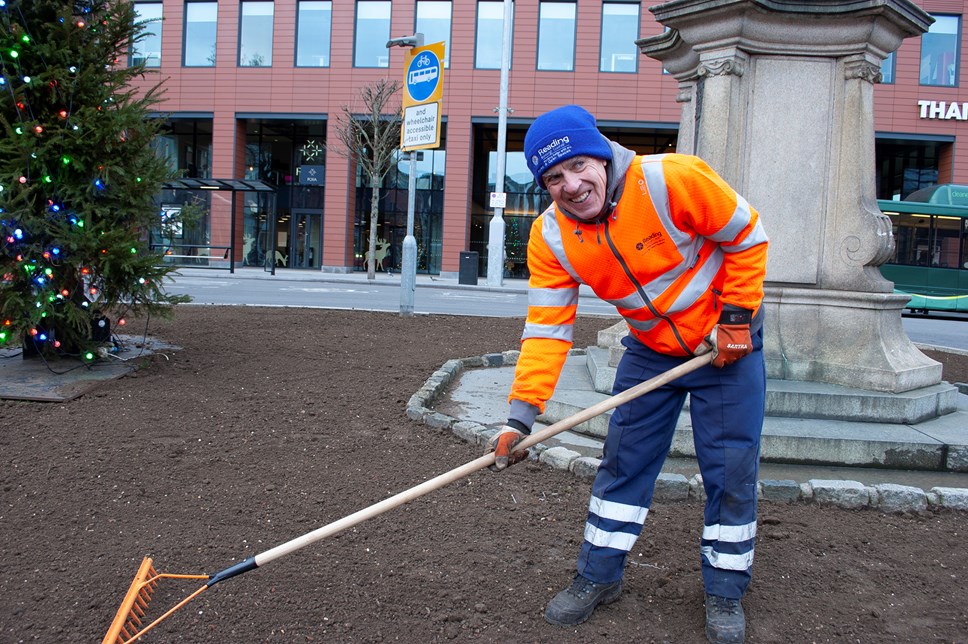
78 177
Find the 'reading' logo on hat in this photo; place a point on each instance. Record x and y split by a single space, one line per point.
551 147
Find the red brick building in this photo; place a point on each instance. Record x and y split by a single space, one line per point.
253 89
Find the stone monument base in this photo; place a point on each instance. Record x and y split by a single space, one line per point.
846 338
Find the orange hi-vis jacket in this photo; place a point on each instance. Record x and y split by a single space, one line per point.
678 245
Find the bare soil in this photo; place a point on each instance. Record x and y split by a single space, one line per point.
269 423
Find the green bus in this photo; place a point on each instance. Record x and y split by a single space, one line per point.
930 260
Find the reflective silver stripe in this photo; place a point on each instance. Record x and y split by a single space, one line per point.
552 296
618 511
604 539
551 233
659 194
632 301
699 284
740 220
642 325
756 236
549 331
730 533
725 562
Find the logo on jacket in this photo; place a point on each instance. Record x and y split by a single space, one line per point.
650 242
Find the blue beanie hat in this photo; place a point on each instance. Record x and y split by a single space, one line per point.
561 134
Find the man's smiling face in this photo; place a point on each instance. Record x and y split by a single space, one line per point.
578 185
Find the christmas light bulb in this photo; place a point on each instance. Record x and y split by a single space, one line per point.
66 160
26 79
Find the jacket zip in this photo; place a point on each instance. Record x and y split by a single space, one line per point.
641 292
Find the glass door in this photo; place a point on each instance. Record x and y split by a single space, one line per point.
305 238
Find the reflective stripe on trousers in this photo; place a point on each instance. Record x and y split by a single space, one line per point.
726 407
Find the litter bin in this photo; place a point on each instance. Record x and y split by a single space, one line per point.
468 267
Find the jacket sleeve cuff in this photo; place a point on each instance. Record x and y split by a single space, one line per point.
522 415
735 315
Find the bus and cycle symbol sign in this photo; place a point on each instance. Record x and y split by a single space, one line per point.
423 75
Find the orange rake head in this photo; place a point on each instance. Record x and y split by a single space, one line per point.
129 622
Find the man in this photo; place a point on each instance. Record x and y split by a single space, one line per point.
682 257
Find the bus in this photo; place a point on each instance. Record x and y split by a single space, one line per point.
930 261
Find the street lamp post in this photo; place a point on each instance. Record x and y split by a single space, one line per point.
495 233
408 267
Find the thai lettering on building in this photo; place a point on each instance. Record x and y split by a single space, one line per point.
943 110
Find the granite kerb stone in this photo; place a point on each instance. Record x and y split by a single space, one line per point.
671 487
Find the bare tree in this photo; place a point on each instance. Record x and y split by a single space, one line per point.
371 137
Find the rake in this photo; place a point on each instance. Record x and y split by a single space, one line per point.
131 623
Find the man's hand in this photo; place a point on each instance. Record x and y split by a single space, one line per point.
731 337
501 444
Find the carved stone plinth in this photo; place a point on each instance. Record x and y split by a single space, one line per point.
777 96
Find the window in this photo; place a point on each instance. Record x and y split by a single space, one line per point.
887 69
556 36
372 34
490 34
148 49
939 52
620 30
255 34
200 21
314 22
433 21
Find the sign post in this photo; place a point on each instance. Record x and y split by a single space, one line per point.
423 77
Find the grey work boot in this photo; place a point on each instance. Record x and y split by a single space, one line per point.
725 621
575 604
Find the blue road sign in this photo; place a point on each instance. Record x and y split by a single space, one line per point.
423 76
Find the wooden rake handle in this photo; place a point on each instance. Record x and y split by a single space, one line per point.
128 623
471 467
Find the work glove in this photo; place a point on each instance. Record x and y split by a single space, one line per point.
730 338
501 444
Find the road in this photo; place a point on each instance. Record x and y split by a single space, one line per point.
436 296
356 294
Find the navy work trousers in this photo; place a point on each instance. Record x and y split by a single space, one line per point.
727 407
